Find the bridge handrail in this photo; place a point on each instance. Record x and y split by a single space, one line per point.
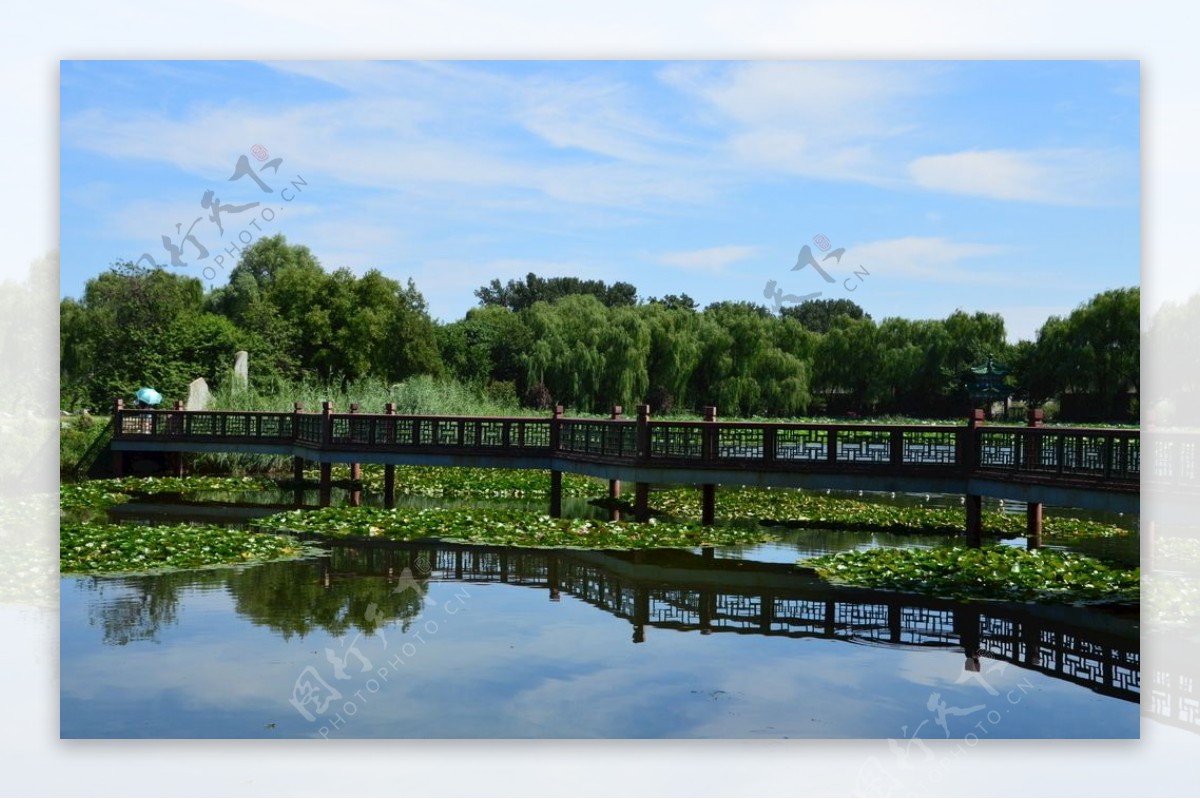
1067 453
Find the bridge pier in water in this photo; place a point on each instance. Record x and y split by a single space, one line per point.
1033 510
708 491
555 494
614 486
389 470
641 502
973 502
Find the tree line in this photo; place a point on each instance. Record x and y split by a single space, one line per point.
562 340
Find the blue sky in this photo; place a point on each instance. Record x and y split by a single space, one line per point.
1005 186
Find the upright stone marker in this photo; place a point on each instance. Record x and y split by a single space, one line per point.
197 395
241 370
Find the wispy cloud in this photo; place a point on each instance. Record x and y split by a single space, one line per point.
927 258
1062 177
819 119
710 259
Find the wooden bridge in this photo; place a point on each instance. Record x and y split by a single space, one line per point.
1096 468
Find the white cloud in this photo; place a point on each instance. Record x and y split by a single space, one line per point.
1074 176
710 259
925 258
818 119
413 127
831 96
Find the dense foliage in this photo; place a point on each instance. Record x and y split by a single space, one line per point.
581 343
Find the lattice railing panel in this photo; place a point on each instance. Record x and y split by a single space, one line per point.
864 446
675 441
740 443
801 444
930 448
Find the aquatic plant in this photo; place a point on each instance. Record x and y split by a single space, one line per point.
100 548
501 527
99 494
802 509
996 572
465 481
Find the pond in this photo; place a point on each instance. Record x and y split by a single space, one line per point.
433 640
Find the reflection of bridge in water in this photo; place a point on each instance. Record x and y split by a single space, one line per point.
684 591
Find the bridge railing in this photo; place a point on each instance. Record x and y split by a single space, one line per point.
396 432
1112 456
239 426
784 444
606 438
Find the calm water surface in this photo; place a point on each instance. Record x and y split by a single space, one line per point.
420 640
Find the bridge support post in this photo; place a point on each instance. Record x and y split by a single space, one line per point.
297 461
389 471
1033 454
555 475
974 520
555 494
177 429
355 468
326 484
708 500
708 504
641 491
641 502
118 456
326 438
614 486
973 502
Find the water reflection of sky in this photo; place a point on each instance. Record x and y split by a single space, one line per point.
503 661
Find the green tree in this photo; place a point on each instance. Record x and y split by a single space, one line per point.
519 295
119 336
818 315
1095 350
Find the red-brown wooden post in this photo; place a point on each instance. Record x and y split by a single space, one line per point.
297 461
641 491
1033 453
973 502
614 486
118 457
389 471
326 467
355 468
555 474
177 430
708 501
